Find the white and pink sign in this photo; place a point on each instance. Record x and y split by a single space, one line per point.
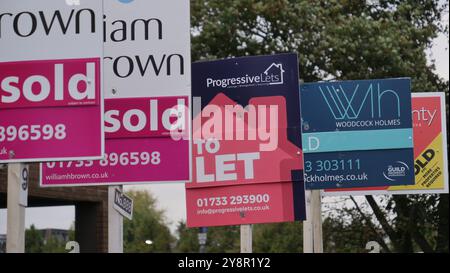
147 140
147 72
51 102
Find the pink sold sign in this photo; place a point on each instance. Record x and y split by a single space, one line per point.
51 83
146 141
50 110
147 91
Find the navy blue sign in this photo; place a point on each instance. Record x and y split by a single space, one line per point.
357 133
261 94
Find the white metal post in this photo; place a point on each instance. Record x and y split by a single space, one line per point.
308 235
115 224
246 239
312 227
316 208
17 200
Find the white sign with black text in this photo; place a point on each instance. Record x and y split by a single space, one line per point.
147 48
24 174
123 204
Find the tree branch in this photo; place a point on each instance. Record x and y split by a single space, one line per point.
371 226
442 235
403 223
379 214
418 236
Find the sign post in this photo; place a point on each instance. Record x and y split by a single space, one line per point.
308 233
312 227
246 239
17 201
316 213
115 223
202 237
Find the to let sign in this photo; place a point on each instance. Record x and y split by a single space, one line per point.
247 164
51 103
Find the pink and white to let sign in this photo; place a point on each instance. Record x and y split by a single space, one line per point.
147 139
51 102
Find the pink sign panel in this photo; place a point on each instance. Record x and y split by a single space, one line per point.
48 83
145 117
243 204
220 160
146 141
50 110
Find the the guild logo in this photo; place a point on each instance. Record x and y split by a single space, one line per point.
397 170
274 74
73 2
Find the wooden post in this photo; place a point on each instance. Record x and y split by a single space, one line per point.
312 227
316 208
246 239
17 201
308 235
115 224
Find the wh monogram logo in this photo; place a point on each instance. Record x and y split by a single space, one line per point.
73 2
344 106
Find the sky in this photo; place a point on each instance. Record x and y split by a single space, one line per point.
439 52
171 197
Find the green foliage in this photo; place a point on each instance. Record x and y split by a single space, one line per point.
148 223
334 39
348 234
72 232
223 239
34 241
219 239
421 223
188 240
278 238
53 245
